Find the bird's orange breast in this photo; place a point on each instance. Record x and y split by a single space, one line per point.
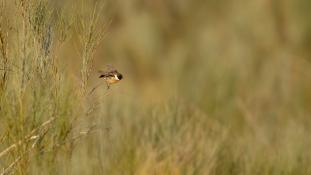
112 80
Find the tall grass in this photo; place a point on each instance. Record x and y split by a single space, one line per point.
38 100
210 87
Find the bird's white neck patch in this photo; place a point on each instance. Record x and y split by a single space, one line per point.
115 76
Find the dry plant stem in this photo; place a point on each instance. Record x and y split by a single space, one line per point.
85 133
4 55
37 137
93 107
29 137
3 137
14 163
91 92
90 38
11 166
75 139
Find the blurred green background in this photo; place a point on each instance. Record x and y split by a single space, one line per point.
210 52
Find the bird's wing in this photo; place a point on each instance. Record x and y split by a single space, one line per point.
110 71
107 74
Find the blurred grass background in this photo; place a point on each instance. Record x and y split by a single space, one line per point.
210 87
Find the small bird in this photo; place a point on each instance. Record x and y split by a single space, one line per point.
111 76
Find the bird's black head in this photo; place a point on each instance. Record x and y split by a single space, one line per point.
120 76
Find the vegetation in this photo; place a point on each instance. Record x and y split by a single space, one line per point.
210 87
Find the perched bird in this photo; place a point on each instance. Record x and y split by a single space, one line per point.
111 76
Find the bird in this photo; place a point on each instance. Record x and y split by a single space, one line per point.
111 76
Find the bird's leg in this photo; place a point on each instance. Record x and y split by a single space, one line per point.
108 86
